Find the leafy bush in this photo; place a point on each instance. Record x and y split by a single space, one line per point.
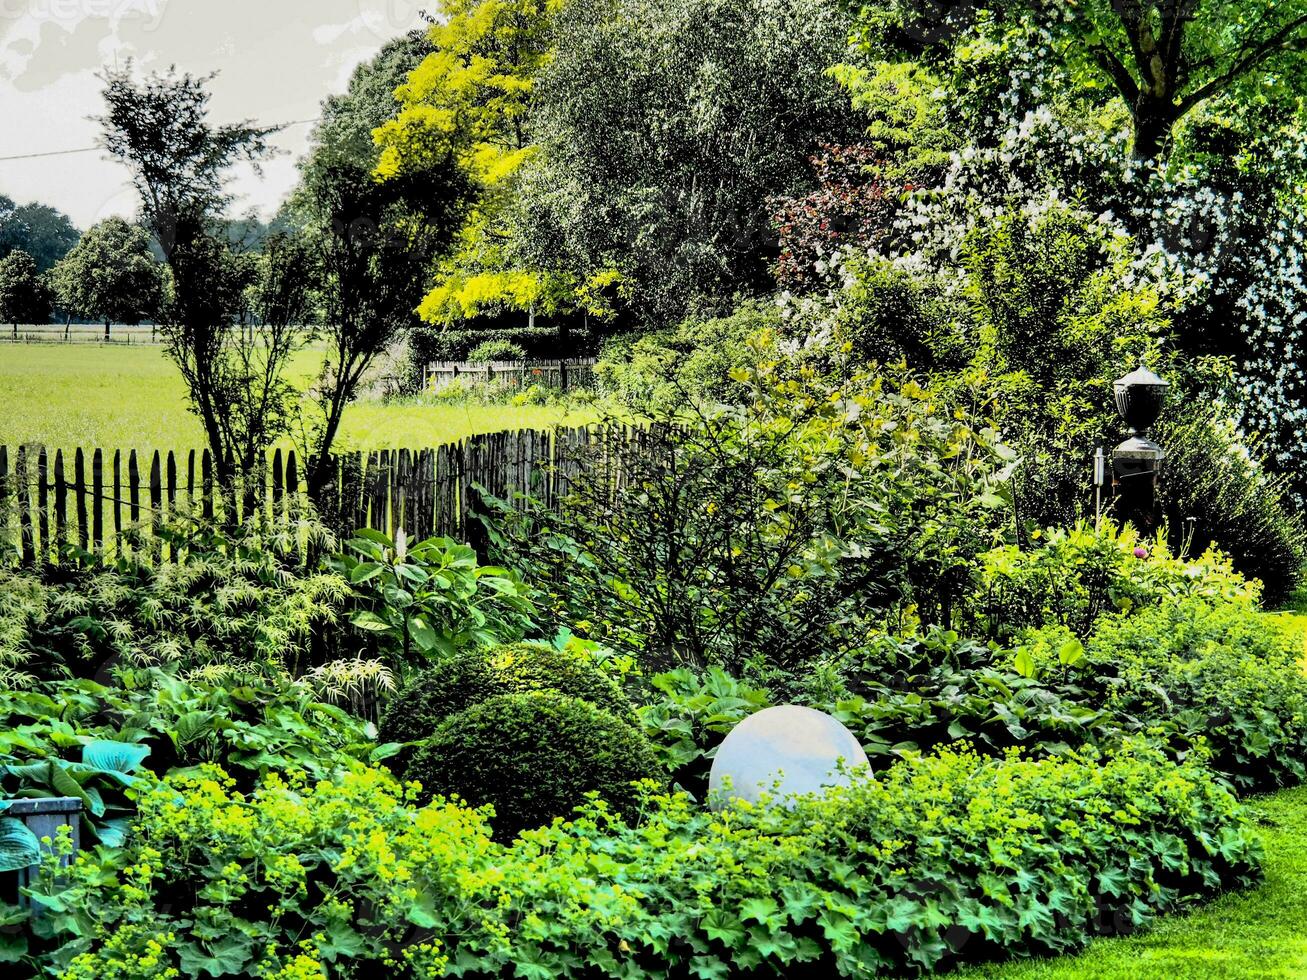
1071 577
887 315
496 350
439 343
943 859
1223 673
773 532
1215 491
851 206
472 676
239 598
662 370
432 598
95 742
534 756
690 715
910 695
276 882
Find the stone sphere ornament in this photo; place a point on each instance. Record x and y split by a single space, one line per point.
783 751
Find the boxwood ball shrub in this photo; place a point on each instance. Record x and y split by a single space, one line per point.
535 756
474 675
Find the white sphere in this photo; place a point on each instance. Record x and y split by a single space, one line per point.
783 751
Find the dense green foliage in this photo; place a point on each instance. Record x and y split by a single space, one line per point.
432 598
664 129
24 295
98 741
959 857
1239 934
1217 492
1070 577
772 532
110 275
661 370
534 756
859 325
239 600
1216 672
41 231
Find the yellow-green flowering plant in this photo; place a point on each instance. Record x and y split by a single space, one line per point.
943 858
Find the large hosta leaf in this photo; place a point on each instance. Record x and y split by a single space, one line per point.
19 847
120 757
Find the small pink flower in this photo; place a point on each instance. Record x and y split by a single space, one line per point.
1141 552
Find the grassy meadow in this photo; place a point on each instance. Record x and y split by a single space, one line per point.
132 397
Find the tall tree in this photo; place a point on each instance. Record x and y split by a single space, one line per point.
1163 58
472 97
38 229
178 160
110 275
375 241
665 129
24 296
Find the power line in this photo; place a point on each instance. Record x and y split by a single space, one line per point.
92 149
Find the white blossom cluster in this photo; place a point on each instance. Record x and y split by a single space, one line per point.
1211 252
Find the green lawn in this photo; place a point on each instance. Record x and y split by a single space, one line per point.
1257 933
133 398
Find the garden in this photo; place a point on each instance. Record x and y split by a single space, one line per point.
947 394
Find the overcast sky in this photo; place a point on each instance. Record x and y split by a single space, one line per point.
277 58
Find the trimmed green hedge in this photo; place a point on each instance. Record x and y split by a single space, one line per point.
534 756
478 674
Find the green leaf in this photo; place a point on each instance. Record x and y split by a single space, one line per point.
123 757
1025 663
65 785
423 635
364 571
761 910
370 621
19 847
12 947
1071 653
224 957
113 833
724 927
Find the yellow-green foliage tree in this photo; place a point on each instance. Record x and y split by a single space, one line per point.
473 95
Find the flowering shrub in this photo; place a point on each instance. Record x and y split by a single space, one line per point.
1216 233
942 859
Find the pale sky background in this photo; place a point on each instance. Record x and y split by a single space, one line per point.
278 59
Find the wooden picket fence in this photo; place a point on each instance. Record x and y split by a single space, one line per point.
564 375
90 498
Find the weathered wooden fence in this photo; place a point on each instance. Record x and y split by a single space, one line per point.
89 498
564 375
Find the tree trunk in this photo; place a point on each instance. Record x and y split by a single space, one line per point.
106 329
1153 119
